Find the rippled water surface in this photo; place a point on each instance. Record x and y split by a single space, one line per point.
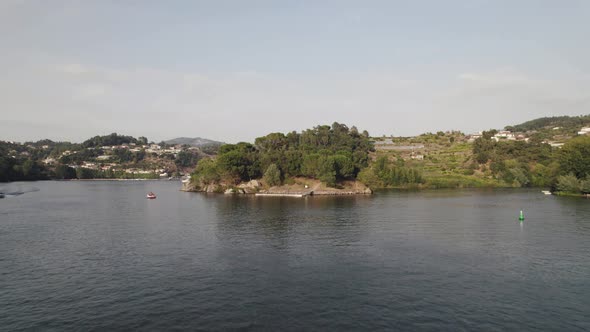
99 256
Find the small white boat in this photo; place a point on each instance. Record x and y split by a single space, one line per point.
546 192
151 196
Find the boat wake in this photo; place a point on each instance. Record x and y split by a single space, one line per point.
4 192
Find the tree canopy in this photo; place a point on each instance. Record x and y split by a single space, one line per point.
112 139
328 153
574 157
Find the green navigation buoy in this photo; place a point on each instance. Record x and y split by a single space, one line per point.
521 216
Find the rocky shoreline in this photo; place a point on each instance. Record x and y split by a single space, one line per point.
301 188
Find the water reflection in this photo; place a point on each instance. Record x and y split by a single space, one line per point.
432 260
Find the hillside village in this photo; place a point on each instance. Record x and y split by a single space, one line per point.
108 159
111 156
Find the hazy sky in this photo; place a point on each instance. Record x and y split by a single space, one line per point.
236 70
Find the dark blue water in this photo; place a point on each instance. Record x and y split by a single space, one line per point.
99 256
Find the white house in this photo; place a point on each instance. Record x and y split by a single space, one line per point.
584 131
473 137
504 135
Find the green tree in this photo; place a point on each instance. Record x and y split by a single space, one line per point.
574 157
344 166
568 183
124 155
65 172
543 176
239 161
84 173
272 175
207 171
310 165
327 171
186 159
520 176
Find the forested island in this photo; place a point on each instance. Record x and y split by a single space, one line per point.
551 153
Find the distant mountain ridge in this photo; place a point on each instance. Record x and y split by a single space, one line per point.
196 141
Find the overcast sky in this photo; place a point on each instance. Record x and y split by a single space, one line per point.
236 70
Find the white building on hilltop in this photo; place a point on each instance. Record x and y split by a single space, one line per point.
584 131
504 135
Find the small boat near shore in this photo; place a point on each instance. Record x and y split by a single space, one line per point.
546 192
151 196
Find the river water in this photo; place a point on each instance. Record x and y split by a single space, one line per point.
99 256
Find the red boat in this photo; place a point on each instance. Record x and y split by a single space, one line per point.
151 195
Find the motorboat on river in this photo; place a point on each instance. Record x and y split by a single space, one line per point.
151 195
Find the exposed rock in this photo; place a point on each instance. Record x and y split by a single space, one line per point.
252 184
212 188
188 186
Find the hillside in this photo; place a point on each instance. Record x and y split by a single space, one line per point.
109 156
197 141
556 129
565 122
441 160
545 152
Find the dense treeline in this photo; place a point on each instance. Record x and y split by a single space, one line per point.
385 174
12 169
112 139
19 168
328 153
574 162
537 164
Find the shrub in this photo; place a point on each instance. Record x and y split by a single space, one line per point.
568 183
